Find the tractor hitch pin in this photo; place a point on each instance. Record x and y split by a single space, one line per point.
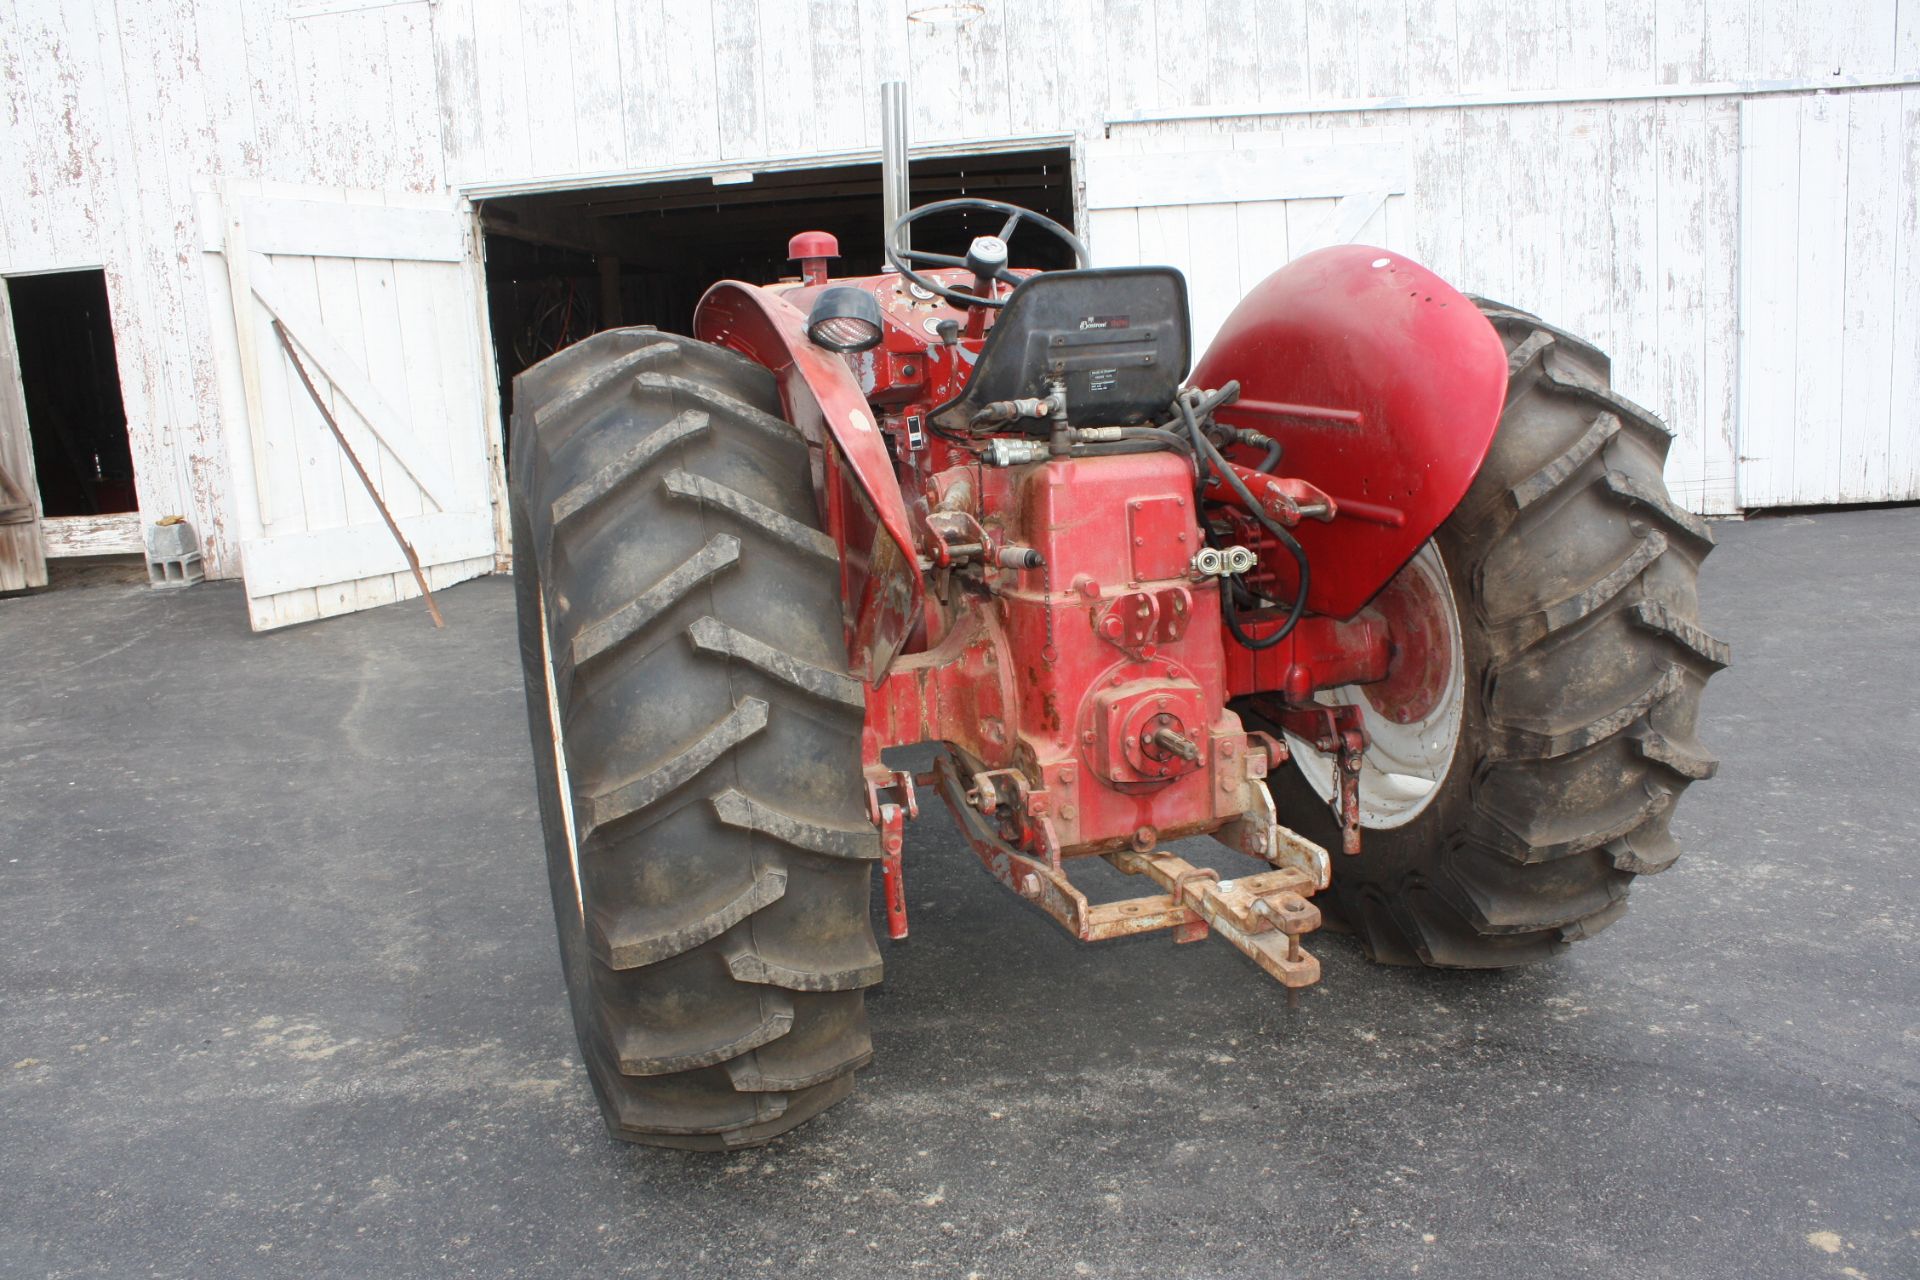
1169 739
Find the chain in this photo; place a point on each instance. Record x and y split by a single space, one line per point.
1046 585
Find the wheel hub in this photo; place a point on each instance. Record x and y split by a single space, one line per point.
1412 717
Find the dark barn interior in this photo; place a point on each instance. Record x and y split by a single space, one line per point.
70 377
564 265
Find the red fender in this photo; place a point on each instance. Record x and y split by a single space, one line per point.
1385 386
859 496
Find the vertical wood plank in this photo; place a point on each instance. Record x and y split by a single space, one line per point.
1278 42
738 90
1581 178
1261 237
1440 224
1131 54
832 37
419 156
1212 264
1532 45
1231 31
1630 36
23 561
1769 303
685 60
1163 235
1433 50
645 82
1872 229
1724 51
1679 41
1113 236
322 477
401 369
1635 213
1680 139
1778 40
501 102
598 103
546 63
1818 350
1482 42
1534 229
785 49
457 88
130 292
1903 428
977 73
1182 69
1583 48
179 456
1486 207
1309 224
1720 252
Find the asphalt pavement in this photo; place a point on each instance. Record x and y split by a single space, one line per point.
279 997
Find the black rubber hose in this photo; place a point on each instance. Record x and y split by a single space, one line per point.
1165 439
1261 440
1114 448
1134 440
1226 473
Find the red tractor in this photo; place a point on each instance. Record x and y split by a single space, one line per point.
1391 566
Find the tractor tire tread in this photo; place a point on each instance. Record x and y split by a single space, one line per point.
1581 574
713 907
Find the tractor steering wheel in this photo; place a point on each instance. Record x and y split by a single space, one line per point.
986 258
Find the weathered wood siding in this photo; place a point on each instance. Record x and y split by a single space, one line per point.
1620 218
1830 287
118 111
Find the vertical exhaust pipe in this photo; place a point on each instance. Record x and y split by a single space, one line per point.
893 156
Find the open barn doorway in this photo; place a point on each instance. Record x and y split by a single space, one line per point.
563 265
66 464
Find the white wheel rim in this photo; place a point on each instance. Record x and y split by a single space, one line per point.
561 776
1404 764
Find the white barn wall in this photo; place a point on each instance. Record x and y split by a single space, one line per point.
1618 218
119 112
1617 221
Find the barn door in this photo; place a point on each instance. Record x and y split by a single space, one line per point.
380 300
1230 209
23 560
1829 300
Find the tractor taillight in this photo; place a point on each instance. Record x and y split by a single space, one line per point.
845 319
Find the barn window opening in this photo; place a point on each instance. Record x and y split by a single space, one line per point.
564 265
70 379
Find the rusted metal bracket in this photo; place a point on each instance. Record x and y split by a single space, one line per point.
1263 915
1258 834
1047 886
1339 732
890 816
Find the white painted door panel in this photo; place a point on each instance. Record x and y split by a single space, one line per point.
23 561
1230 209
379 296
1829 300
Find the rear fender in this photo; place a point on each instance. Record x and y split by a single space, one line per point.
1384 384
853 477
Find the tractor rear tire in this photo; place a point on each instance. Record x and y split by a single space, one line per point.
696 740
1574 579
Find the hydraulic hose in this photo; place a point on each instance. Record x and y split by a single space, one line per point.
1135 440
1207 449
